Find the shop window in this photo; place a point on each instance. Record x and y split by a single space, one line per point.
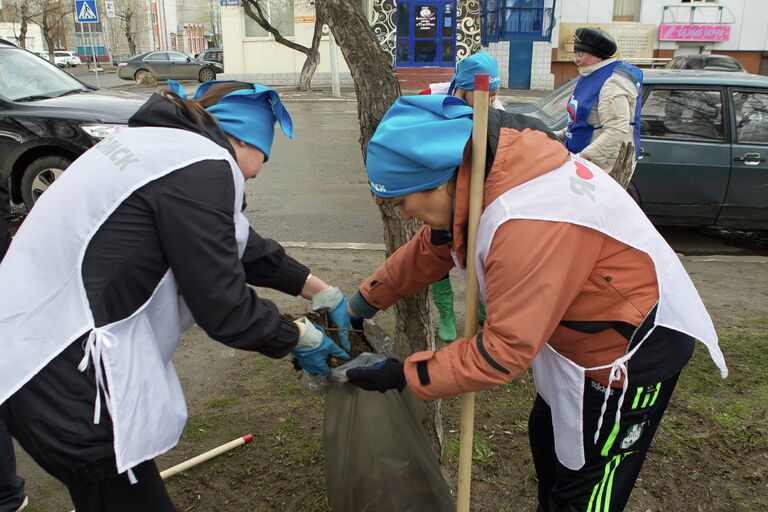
626 10
279 14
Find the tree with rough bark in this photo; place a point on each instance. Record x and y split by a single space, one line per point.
126 11
258 11
377 88
17 12
625 164
49 16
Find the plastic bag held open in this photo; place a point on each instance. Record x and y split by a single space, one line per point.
377 456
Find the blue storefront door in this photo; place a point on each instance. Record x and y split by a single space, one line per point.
426 34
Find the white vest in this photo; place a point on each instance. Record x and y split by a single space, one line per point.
44 307
581 193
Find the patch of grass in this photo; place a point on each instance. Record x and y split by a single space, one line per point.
482 453
220 402
203 426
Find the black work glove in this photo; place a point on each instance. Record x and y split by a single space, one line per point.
387 374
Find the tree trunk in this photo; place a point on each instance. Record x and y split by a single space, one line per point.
625 164
23 32
377 88
313 57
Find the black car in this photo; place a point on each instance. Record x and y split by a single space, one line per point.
708 62
47 119
167 65
703 158
215 55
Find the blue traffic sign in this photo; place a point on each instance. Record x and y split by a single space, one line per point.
85 11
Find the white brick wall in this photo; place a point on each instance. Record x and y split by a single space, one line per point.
541 66
500 52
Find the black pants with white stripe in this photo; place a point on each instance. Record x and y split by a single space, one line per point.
612 465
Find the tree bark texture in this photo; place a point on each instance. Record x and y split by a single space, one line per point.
625 164
377 88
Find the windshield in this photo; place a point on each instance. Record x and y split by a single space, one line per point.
25 77
553 106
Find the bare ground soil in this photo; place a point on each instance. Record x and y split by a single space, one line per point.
711 452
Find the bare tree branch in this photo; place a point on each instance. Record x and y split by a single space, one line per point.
255 11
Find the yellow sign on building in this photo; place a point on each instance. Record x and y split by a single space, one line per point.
635 40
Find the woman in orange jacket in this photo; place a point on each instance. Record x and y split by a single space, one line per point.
578 286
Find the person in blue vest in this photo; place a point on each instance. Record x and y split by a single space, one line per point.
604 110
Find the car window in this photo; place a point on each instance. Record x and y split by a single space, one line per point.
682 114
157 56
177 57
751 117
553 106
25 76
61 54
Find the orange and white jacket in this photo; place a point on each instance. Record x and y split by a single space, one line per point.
538 273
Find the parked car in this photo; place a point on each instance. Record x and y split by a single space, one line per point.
710 62
212 55
122 57
167 65
66 59
43 55
703 147
47 119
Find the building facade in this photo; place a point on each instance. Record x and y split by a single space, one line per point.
531 39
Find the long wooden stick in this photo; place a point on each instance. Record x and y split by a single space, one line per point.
476 186
210 454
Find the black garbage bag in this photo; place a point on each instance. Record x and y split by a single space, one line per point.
377 457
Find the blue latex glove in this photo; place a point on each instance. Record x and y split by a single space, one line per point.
333 301
313 349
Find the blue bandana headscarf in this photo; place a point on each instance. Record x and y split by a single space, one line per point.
418 144
248 115
481 62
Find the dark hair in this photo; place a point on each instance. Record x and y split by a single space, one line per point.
194 109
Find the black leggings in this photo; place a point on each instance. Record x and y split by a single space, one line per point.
606 480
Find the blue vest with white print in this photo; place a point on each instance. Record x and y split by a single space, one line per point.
579 131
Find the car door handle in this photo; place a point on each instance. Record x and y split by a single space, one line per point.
750 159
642 153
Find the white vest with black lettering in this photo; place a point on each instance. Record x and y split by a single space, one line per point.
44 307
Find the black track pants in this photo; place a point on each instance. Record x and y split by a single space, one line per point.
11 485
612 465
117 494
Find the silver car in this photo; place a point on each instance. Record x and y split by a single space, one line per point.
167 65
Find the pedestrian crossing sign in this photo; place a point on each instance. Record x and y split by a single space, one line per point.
85 11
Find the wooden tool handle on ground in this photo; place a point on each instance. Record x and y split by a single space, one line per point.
476 189
210 454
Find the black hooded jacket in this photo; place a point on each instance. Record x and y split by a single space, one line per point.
182 221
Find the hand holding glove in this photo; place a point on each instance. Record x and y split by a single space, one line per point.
333 301
384 375
314 347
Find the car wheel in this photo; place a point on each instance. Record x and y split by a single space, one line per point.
141 75
39 175
206 75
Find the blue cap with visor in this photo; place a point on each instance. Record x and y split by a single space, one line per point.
249 115
418 145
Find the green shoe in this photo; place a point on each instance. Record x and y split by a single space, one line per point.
481 314
442 296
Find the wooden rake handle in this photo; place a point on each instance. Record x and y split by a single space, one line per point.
476 188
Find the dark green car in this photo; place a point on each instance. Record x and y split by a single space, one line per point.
704 146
